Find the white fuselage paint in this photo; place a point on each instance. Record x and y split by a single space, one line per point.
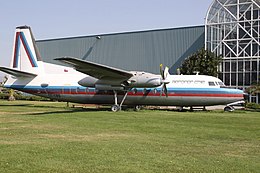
61 83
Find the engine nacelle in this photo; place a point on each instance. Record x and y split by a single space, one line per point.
88 81
144 80
101 84
138 80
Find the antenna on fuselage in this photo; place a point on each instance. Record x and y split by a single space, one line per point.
196 72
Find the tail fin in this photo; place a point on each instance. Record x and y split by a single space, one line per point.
26 56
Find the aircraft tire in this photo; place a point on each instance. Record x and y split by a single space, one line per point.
179 108
115 108
138 107
228 109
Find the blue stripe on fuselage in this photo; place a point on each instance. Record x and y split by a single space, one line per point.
170 90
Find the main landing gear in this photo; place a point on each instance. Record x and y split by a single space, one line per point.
137 107
117 107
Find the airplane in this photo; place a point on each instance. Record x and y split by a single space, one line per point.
92 83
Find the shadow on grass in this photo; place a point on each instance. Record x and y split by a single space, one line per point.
16 105
30 105
70 111
252 110
177 110
74 110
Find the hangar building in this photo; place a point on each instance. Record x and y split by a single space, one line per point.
232 29
142 51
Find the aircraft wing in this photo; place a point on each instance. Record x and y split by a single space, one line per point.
96 70
17 73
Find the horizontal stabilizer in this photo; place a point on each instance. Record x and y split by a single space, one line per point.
17 73
96 70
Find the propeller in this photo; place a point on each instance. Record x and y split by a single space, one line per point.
164 73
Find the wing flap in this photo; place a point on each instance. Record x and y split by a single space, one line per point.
17 73
96 70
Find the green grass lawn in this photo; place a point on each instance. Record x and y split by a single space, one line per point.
48 137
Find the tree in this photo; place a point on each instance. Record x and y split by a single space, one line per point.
254 89
202 61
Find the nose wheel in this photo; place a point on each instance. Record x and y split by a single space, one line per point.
229 109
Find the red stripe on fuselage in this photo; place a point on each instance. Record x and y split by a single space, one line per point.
73 92
207 95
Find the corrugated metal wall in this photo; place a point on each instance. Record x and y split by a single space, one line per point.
142 51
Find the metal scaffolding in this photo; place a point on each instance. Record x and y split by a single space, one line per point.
232 29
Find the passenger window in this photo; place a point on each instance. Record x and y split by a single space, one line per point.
211 84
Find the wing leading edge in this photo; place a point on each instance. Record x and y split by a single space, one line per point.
96 70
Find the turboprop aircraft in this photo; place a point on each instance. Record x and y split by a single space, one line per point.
92 83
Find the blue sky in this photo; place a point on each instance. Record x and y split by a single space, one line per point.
66 18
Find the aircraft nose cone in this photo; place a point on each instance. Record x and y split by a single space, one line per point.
246 95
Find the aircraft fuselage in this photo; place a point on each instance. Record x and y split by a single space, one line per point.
183 90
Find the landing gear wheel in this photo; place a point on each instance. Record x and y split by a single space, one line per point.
229 109
179 108
115 108
138 107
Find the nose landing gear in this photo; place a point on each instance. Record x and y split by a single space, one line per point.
229 109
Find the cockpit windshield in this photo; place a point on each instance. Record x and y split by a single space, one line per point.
211 83
216 83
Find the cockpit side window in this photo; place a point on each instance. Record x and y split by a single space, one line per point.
221 83
211 83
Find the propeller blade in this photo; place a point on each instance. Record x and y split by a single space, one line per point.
165 90
161 71
164 73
